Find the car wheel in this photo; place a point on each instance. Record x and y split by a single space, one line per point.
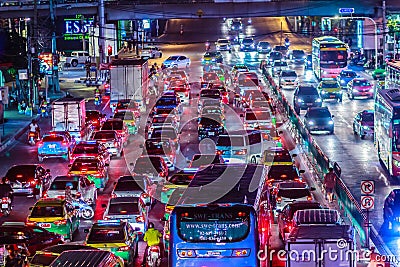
74 63
160 55
253 160
187 65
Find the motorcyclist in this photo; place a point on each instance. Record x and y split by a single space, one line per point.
34 128
287 40
44 106
68 194
6 189
152 237
207 45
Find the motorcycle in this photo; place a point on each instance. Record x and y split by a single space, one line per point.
6 206
287 44
97 99
33 137
207 46
44 111
85 211
153 257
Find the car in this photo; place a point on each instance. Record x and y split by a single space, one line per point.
47 255
80 187
178 180
277 156
55 215
182 91
308 62
116 236
306 96
179 73
199 160
178 61
129 119
35 237
288 79
223 44
330 88
168 100
167 81
29 179
166 111
274 56
95 118
247 81
210 77
285 216
346 76
363 123
151 52
55 145
281 48
254 118
236 26
90 257
205 94
247 44
360 87
151 166
77 57
209 126
224 92
163 121
263 47
119 127
128 104
211 57
91 167
213 111
222 75
283 172
297 56
289 192
379 73
110 140
166 133
239 68
319 119
130 209
134 186
278 66
91 149
161 147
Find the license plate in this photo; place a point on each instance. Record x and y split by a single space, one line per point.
210 133
51 146
332 96
4 206
309 104
45 225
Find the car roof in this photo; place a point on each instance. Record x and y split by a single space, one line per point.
67 178
292 185
49 201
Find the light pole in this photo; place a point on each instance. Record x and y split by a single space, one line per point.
375 34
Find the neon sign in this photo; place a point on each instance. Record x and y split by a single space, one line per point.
77 28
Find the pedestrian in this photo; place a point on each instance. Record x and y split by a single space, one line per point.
329 184
88 64
388 211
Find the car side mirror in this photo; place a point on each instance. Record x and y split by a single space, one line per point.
111 117
302 171
312 188
187 161
294 155
31 208
86 231
103 206
131 164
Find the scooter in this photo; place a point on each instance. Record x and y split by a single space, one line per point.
32 138
85 211
97 99
44 111
6 206
207 46
153 257
287 44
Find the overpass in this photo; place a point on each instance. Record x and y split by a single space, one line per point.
168 9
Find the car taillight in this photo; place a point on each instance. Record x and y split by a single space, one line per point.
30 223
45 195
60 222
309 198
32 182
240 252
165 189
167 236
113 195
241 152
40 144
116 143
279 199
139 219
4 200
162 174
219 152
186 253
124 248
78 194
64 143
155 249
145 195
32 134
106 218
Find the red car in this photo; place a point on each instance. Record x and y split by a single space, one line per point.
124 104
360 87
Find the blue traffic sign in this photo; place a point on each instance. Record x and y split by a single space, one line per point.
346 10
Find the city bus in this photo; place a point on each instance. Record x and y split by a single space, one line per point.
393 73
387 129
329 57
222 219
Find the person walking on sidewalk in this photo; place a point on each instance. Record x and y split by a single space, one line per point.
329 184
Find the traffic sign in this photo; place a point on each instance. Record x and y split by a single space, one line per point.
367 187
346 10
367 202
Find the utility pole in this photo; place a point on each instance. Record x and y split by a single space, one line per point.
54 73
384 28
83 34
33 50
102 47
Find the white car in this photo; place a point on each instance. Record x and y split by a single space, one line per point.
151 52
288 79
177 62
223 45
80 185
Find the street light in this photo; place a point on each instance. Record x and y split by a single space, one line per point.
375 34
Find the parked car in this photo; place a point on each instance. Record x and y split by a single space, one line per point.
363 123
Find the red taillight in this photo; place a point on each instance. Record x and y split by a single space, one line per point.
60 222
64 143
309 198
48 254
113 195
32 134
115 143
278 199
241 152
139 219
219 152
78 194
4 200
167 236
45 195
144 195
40 144
162 174
165 189
155 249
30 223
124 248
33 182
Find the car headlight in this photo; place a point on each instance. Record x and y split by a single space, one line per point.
355 90
252 45
330 122
310 123
371 90
365 127
300 100
240 27
323 92
342 81
242 45
304 57
318 100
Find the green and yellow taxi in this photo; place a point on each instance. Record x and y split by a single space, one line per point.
379 73
55 215
179 180
211 57
129 119
93 168
330 89
277 156
115 236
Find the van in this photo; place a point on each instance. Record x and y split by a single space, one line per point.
87 258
254 118
317 216
242 146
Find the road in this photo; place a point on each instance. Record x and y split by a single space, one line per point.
356 162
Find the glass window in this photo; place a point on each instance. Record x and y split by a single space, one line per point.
106 235
61 185
84 165
123 208
47 211
89 149
135 185
53 138
230 141
257 115
158 147
104 135
113 125
294 193
255 138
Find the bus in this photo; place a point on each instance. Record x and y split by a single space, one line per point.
393 73
387 129
222 219
329 57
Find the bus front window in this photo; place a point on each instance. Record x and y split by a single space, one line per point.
396 138
333 59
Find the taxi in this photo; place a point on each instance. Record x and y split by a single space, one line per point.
211 57
330 89
93 168
91 149
110 140
180 180
129 119
119 126
277 156
56 216
56 145
115 236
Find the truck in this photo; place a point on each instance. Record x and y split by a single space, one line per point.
321 246
129 79
69 114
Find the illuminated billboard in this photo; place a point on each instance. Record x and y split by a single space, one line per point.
77 28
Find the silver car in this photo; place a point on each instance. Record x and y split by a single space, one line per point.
134 186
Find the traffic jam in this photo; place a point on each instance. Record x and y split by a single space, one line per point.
219 204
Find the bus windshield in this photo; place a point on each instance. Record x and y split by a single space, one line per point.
333 59
396 137
216 225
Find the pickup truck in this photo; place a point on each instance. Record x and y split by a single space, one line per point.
150 52
77 57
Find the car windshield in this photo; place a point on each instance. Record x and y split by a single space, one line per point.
210 54
173 58
61 185
92 115
125 104
294 193
210 76
280 48
288 74
157 147
163 119
164 134
167 111
257 115
223 41
43 259
282 172
86 149
280 64
319 113
113 125
104 135
123 208
298 53
84 165
124 116
263 44
368 117
200 160
39 211
248 41
166 101
211 110
209 121
21 172
230 141
146 165
129 186
248 82
361 83
348 74
307 206
308 91
181 179
53 138
106 234
275 55
329 85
